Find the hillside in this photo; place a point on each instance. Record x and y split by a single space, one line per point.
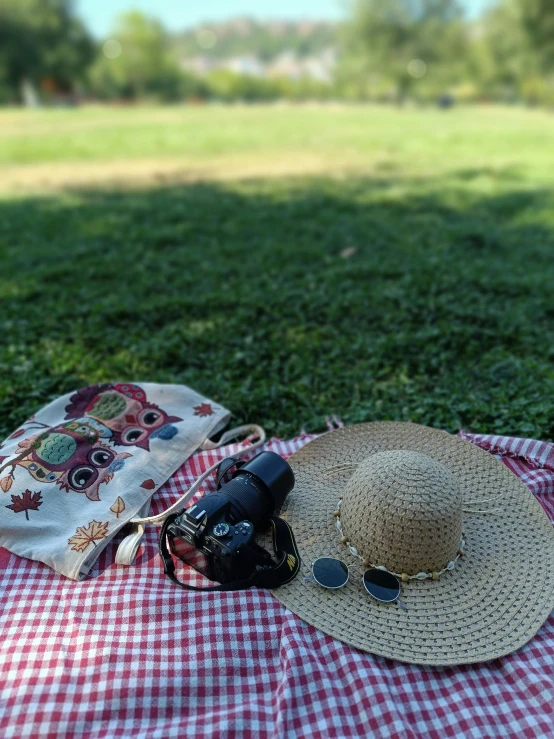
265 40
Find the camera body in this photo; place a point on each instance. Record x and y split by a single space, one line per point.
216 536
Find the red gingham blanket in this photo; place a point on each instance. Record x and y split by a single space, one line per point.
128 654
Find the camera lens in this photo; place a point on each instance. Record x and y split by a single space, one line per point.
259 488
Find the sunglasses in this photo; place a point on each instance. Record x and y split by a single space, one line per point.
332 574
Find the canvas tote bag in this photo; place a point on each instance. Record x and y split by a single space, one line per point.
89 462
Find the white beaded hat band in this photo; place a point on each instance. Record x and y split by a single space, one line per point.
431 518
403 576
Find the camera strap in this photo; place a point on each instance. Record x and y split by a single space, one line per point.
252 429
128 548
270 574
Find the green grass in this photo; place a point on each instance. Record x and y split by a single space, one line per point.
442 310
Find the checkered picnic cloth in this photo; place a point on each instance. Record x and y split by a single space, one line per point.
128 654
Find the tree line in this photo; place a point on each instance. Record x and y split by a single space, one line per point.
426 48
388 50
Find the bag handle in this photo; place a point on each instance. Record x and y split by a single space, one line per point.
252 430
128 548
246 431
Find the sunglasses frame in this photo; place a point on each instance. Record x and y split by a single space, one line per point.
369 569
380 600
331 587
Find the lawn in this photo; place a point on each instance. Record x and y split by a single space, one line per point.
291 263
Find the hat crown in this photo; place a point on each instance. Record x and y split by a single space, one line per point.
403 510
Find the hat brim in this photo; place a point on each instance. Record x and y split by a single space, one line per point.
496 599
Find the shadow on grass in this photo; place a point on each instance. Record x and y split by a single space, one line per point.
289 300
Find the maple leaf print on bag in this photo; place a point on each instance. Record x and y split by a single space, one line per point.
204 409
118 507
84 535
27 502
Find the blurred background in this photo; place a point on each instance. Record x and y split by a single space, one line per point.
301 208
64 52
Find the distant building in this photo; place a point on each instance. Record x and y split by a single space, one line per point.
277 28
286 65
199 65
306 28
290 55
321 67
249 65
292 67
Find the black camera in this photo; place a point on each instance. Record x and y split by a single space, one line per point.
216 535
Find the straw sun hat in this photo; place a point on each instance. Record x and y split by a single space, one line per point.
410 498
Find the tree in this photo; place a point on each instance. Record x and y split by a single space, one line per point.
392 44
537 20
137 63
500 55
227 86
43 43
513 53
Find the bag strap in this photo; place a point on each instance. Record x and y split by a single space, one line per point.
184 499
128 547
273 576
246 431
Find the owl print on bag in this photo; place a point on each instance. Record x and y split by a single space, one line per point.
71 456
80 454
124 412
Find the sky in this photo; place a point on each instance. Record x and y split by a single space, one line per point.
178 14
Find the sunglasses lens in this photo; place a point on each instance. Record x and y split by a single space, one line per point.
330 572
381 585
